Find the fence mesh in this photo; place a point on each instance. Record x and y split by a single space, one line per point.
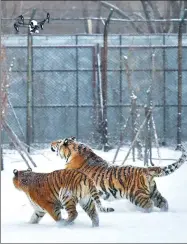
65 85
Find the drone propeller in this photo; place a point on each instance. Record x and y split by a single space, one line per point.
41 23
16 26
20 22
20 19
48 17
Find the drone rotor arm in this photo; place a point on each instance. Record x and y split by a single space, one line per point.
20 19
48 17
16 27
41 23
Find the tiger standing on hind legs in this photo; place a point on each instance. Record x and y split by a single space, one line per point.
117 182
51 192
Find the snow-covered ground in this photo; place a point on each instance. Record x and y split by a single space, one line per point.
126 224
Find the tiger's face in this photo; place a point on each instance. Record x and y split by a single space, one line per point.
55 145
64 147
76 154
22 178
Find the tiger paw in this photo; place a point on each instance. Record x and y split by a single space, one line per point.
95 224
110 210
147 210
32 222
165 208
63 223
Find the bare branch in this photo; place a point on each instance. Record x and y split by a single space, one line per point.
121 13
156 14
98 30
138 16
19 146
85 15
181 7
147 15
168 25
175 13
20 7
185 4
4 8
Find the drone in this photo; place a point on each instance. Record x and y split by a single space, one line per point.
33 25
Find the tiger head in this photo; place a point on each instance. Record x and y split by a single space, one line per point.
21 179
72 151
76 153
63 147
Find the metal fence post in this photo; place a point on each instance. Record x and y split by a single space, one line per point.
77 90
99 92
120 90
94 87
29 91
164 91
104 84
133 121
179 115
29 86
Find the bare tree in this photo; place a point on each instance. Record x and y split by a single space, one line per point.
150 10
127 10
121 14
173 11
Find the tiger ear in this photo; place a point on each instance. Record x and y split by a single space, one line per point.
65 142
15 171
73 138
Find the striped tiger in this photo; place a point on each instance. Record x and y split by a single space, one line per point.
116 182
51 192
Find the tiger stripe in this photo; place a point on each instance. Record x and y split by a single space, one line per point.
116 182
50 192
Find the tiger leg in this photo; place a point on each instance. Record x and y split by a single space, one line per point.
158 199
42 206
89 207
37 216
144 202
70 207
54 211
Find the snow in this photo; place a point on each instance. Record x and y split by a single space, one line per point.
133 96
126 224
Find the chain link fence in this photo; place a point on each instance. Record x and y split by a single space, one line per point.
65 85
